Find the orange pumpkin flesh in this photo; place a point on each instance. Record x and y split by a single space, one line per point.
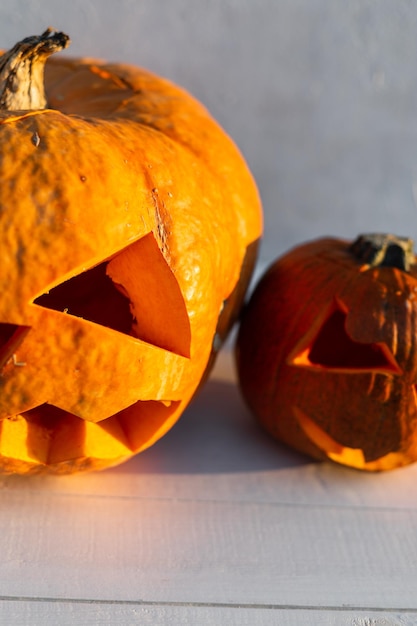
327 355
129 225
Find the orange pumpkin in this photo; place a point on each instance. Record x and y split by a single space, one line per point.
327 351
129 224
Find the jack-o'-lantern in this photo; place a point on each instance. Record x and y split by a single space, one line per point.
128 230
327 354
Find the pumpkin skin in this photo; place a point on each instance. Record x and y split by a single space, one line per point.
326 352
129 224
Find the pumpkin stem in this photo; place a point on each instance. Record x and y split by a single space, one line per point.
384 250
22 70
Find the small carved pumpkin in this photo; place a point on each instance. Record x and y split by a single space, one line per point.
327 351
128 226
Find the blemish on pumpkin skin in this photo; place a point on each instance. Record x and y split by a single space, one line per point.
17 363
161 221
104 74
35 139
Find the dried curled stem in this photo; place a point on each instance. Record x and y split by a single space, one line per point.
22 71
384 250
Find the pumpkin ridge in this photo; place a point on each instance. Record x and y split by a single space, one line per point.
12 117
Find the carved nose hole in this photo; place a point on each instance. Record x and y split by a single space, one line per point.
11 336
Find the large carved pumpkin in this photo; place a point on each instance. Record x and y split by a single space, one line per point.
128 230
327 351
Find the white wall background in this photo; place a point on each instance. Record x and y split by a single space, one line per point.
320 95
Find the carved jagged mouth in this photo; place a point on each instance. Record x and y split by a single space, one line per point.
353 457
48 435
333 449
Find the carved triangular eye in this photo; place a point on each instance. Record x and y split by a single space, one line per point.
93 296
329 347
134 292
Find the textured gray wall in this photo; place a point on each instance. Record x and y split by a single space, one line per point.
320 95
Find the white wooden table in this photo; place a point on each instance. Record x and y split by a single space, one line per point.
216 524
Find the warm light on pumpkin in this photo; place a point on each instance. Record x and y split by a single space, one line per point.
129 225
327 355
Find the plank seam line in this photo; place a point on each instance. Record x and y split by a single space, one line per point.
284 504
228 605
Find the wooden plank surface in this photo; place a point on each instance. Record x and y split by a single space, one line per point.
207 552
39 613
215 519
